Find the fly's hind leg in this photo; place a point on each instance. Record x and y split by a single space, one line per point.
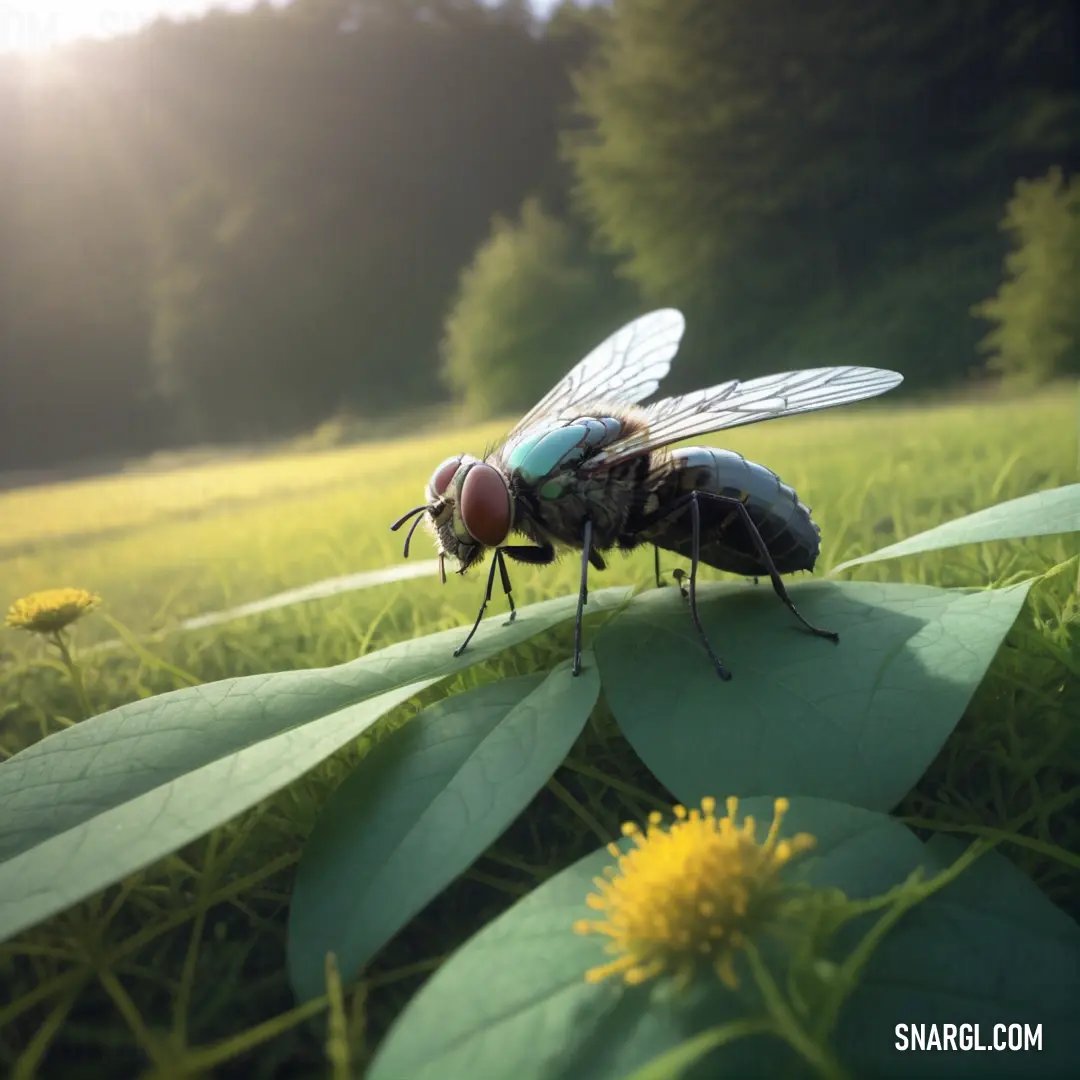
767 562
690 595
695 558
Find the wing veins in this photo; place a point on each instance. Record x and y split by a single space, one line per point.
736 403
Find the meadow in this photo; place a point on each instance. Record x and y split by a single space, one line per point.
180 971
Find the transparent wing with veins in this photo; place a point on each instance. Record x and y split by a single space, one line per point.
623 370
737 402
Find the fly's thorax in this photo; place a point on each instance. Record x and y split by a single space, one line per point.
553 488
551 453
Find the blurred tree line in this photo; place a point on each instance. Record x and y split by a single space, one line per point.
233 228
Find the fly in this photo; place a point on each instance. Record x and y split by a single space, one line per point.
588 469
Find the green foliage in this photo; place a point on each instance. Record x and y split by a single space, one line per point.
421 808
758 164
92 804
1036 309
278 236
1042 513
859 723
478 1016
531 303
233 744
908 316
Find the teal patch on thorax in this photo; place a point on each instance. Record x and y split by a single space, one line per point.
539 456
551 490
522 450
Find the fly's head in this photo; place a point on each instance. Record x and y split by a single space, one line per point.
468 509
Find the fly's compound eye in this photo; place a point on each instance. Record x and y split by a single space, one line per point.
485 505
441 477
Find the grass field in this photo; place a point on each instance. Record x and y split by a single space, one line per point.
122 981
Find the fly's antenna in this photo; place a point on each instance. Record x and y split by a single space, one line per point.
405 517
418 513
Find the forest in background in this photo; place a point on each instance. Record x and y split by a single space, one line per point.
229 230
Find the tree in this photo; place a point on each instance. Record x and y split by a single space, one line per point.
232 227
749 161
532 302
1037 308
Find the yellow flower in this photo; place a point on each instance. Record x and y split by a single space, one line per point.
690 894
51 610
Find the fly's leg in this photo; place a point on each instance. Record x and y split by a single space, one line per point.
530 554
767 561
690 595
679 575
495 563
695 557
504 574
583 593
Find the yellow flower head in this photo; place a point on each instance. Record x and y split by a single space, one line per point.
51 610
690 894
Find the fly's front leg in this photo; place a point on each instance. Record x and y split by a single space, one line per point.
533 555
583 592
504 574
495 563
770 566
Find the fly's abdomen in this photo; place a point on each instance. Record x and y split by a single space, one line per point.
790 534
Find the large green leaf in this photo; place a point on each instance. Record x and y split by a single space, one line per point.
480 1014
109 844
524 973
859 721
1043 513
990 949
421 807
99 782
109 759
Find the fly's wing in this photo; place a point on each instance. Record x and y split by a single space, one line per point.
734 403
624 369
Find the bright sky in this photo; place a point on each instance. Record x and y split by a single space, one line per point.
30 26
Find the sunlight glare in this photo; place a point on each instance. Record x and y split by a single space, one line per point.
37 27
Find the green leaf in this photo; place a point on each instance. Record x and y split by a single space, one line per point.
135 783
73 864
988 949
1043 513
480 1014
513 1002
859 721
421 807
